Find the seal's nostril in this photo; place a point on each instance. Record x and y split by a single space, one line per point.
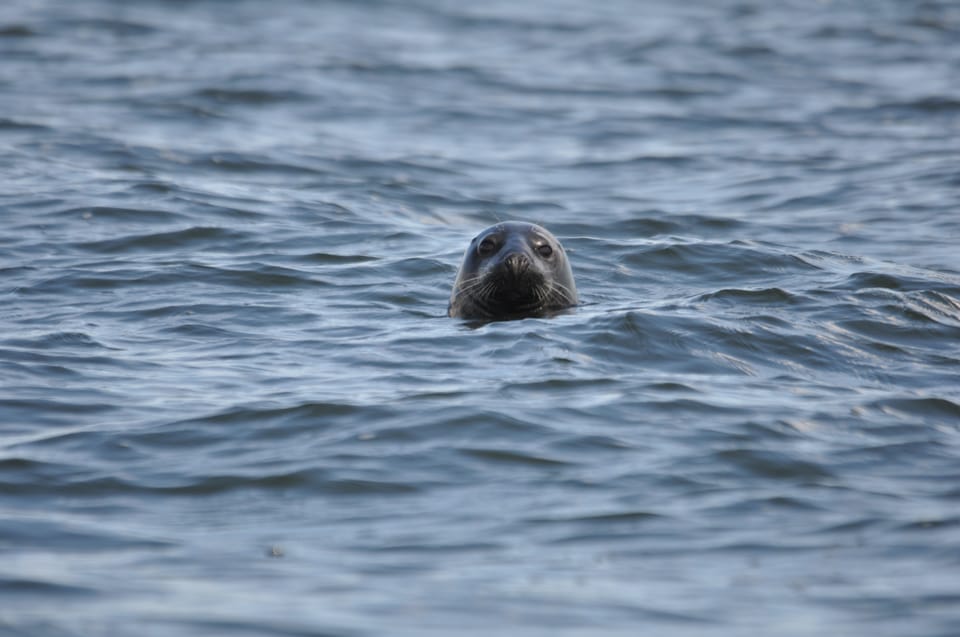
517 263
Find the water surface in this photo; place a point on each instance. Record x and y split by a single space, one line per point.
231 401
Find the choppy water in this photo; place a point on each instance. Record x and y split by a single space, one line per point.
231 401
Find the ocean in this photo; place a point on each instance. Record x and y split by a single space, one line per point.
232 401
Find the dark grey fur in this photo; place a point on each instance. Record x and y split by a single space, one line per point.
512 270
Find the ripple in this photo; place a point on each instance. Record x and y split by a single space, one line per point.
13 587
932 408
17 31
121 28
31 533
250 95
762 297
511 457
116 213
197 237
773 464
718 261
228 237
246 163
7 124
57 340
213 483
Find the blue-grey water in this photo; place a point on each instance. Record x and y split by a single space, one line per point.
231 401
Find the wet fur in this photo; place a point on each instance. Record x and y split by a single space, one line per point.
515 281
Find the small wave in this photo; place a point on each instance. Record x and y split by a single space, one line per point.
250 95
119 214
327 258
120 28
515 457
12 587
41 409
932 105
949 524
935 307
56 340
193 238
926 409
762 297
28 532
17 31
7 124
901 280
735 260
80 483
767 463
252 163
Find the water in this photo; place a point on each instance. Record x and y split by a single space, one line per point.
231 401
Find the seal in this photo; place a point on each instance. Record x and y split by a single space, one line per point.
512 270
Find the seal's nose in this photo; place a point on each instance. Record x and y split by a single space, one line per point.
517 263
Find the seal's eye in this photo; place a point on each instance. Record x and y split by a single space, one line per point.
487 247
544 250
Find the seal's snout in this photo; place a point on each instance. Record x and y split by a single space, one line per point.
516 263
512 270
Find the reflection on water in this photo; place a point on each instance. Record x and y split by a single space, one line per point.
231 401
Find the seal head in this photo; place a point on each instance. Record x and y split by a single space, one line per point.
512 270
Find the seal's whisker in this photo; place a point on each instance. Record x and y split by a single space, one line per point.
489 286
568 293
473 286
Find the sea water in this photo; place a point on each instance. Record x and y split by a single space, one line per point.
231 401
